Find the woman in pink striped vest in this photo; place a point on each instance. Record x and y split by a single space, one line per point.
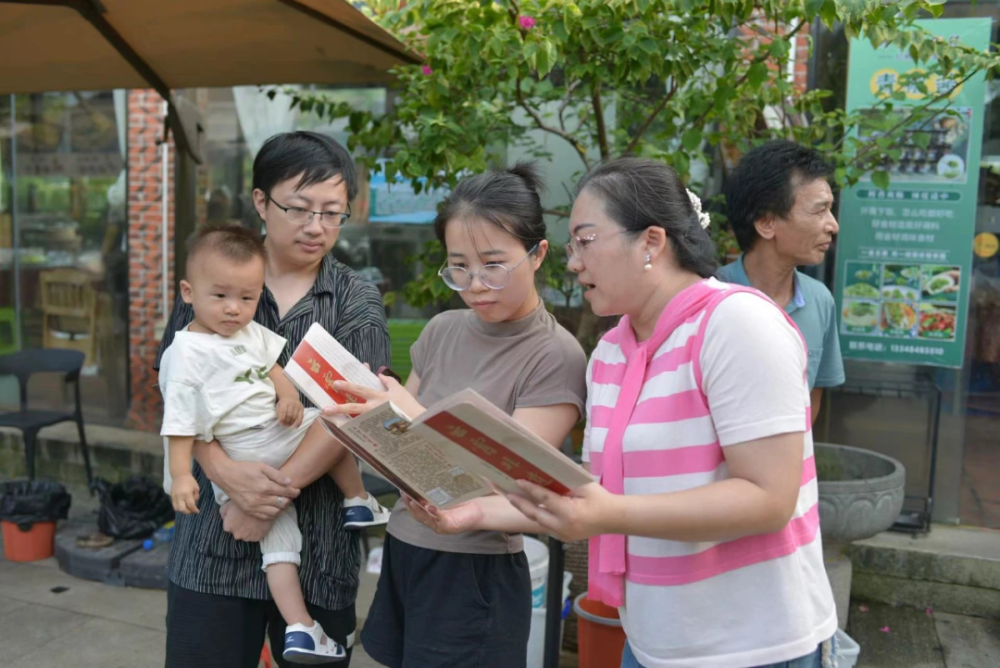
704 528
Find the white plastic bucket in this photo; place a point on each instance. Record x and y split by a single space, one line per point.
538 565
848 650
536 638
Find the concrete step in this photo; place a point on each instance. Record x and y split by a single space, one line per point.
115 454
952 570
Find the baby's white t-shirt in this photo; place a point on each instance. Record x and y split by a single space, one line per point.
217 386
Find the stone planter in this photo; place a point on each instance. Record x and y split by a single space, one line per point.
860 492
860 495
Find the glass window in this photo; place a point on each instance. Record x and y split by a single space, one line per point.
9 317
63 232
240 119
238 122
980 483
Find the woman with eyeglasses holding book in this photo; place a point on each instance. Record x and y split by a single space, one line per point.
704 527
465 599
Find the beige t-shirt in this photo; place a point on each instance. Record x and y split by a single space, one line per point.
522 364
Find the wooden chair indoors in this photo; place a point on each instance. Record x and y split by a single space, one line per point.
69 312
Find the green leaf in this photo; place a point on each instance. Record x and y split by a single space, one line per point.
681 163
881 179
828 13
542 62
560 31
922 139
531 54
691 140
551 56
757 74
649 45
813 7
496 46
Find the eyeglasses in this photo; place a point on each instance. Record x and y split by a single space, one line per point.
577 245
494 276
299 216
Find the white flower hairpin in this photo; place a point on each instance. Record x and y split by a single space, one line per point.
703 218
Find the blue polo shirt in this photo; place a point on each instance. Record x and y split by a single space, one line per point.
815 314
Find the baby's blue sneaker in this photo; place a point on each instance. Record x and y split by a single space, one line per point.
360 513
309 645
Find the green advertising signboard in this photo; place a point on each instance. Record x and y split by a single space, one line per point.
904 254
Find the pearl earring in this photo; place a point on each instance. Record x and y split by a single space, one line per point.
649 263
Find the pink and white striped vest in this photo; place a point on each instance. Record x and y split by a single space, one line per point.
752 601
629 370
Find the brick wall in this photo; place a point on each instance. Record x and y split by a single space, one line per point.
145 250
801 51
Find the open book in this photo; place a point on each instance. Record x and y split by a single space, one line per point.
443 456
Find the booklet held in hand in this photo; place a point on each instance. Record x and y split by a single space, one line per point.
442 456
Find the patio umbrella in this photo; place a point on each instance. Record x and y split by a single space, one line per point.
61 45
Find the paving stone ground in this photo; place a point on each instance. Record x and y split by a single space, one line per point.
49 619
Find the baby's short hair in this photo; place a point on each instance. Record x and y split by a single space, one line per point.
233 242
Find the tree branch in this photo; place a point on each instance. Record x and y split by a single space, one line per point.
908 119
649 121
542 125
602 131
746 75
513 11
569 193
562 213
570 89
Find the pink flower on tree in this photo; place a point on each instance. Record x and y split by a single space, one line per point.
527 22
426 69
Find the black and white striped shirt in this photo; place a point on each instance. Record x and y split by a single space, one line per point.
206 559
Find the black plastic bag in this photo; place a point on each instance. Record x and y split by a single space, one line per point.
132 509
25 502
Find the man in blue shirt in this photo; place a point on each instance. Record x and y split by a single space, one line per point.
779 204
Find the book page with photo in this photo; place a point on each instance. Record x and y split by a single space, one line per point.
485 440
412 462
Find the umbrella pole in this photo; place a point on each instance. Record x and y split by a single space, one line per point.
554 604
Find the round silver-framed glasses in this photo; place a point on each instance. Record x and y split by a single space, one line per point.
494 276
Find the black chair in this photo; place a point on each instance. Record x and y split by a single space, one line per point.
376 486
43 360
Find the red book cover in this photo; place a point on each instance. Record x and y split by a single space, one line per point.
316 366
